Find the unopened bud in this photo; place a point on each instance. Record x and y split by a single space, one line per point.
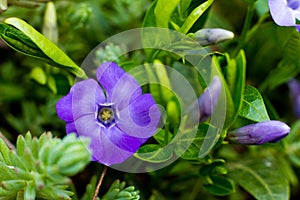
209 36
209 99
259 133
294 87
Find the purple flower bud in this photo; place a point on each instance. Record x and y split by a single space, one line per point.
209 36
209 99
259 133
285 12
294 87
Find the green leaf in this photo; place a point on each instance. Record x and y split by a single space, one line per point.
13 185
262 178
25 39
161 137
292 149
194 16
153 153
20 145
163 11
235 75
212 168
149 20
30 192
253 107
220 186
6 172
5 152
202 143
289 40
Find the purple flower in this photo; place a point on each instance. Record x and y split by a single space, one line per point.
259 133
113 113
209 99
294 87
285 12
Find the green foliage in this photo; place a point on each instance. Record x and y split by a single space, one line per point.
234 71
24 38
289 41
194 16
253 107
262 178
254 68
118 191
40 168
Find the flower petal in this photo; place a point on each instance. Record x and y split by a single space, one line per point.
120 87
281 13
106 145
107 153
86 97
260 133
140 119
71 128
124 141
64 108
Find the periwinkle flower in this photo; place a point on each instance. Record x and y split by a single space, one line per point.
294 87
259 133
209 99
285 12
112 112
209 36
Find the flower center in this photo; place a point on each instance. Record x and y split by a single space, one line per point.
106 115
294 4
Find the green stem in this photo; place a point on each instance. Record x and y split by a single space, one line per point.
99 183
166 138
255 28
247 24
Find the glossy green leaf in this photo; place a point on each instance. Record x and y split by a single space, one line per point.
194 16
253 107
235 76
161 137
163 11
262 178
149 20
230 111
220 186
24 38
202 143
153 153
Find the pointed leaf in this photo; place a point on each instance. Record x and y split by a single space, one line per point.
253 107
220 186
5 152
30 192
43 47
163 11
153 153
261 178
194 16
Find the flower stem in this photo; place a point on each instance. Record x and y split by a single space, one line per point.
99 183
247 24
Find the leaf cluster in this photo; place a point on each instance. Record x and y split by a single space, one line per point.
40 168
